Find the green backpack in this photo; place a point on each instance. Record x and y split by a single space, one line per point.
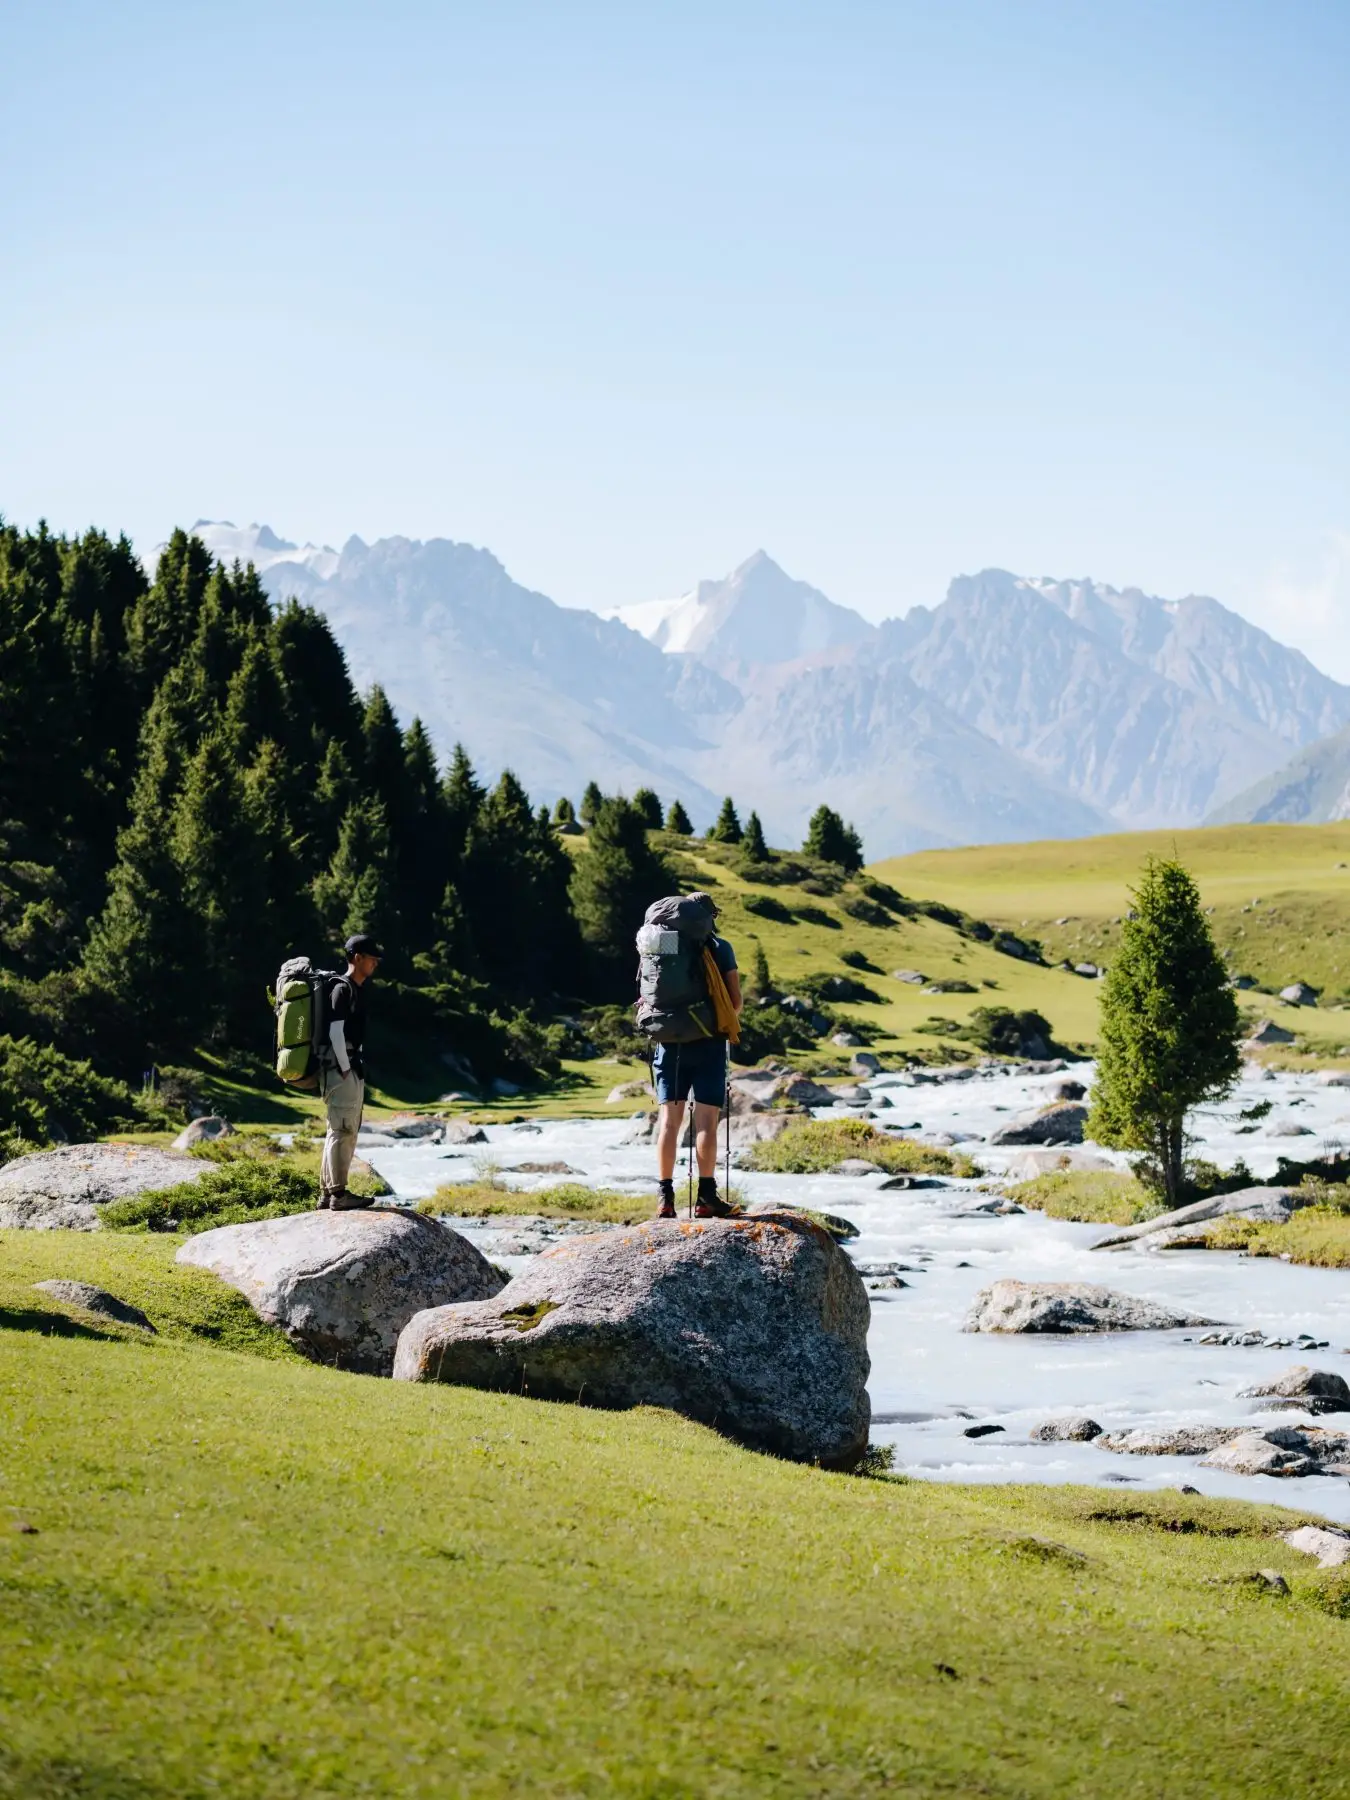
303 1006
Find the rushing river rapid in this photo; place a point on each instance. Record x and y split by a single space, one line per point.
931 1382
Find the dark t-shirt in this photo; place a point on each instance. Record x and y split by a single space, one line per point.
723 954
349 1005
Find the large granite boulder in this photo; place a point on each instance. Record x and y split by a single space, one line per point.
343 1285
1061 1123
1068 1306
1283 1450
63 1189
756 1326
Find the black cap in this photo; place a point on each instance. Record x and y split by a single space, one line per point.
363 944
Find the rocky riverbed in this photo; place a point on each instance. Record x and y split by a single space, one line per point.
928 1251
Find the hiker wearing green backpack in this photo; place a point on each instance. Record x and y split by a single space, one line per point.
689 1003
342 1074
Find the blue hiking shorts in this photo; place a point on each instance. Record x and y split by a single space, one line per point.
700 1068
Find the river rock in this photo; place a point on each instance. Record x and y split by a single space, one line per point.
1316 1390
1069 1089
802 1091
343 1285
415 1126
95 1300
628 1090
1255 1453
1074 1428
1061 1123
865 1063
1176 1440
1031 1163
1330 1546
756 1326
1068 1306
463 1131
1270 1205
63 1189
856 1165
203 1131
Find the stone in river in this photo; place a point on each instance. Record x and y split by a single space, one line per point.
1317 1390
1176 1440
1075 1428
1068 1306
756 1326
1061 1123
856 1165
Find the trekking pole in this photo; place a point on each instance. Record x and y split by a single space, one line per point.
726 1101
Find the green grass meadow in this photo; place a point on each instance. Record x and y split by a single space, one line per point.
239 1574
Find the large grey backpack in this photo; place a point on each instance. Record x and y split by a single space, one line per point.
673 1006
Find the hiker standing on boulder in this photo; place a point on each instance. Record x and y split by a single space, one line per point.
689 1003
342 1078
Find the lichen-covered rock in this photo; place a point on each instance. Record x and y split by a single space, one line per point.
756 1326
1076 1428
63 1189
1316 1390
95 1300
1068 1306
1270 1205
1061 1123
1283 1450
343 1285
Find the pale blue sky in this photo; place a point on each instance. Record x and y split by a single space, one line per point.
625 292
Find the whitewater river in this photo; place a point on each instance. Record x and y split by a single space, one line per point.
930 1381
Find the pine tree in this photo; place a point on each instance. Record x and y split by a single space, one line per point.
422 848
564 813
357 892
761 982
1169 1029
678 820
288 922
591 802
255 702
828 838
514 887
613 884
222 863
164 620
648 807
386 763
463 795
146 949
756 850
335 794
727 829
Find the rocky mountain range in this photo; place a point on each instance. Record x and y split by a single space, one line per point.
1017 708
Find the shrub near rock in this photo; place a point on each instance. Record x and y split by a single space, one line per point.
815 1146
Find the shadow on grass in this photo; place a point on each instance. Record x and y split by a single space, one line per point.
48 1324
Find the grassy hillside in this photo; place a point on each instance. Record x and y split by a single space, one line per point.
228 1574
1280 896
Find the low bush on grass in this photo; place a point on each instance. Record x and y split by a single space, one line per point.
234 1193
1095 1197
1318 1236
816 1145
561 1200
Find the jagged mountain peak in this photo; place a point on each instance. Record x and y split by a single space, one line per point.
756 614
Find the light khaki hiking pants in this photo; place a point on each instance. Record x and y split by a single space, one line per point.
343 1098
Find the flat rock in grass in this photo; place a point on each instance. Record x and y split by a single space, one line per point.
1061 1123
1068 1306
756 1326
1330 1546
95 1300
628 1090
63 1189
1268 1032
1270 1205
343 1285
1074 1428
1317 1390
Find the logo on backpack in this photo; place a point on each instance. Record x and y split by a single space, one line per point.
673 1004
303 1006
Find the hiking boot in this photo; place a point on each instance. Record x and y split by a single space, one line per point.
711 1205
345 1202
324 1202
666 1210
